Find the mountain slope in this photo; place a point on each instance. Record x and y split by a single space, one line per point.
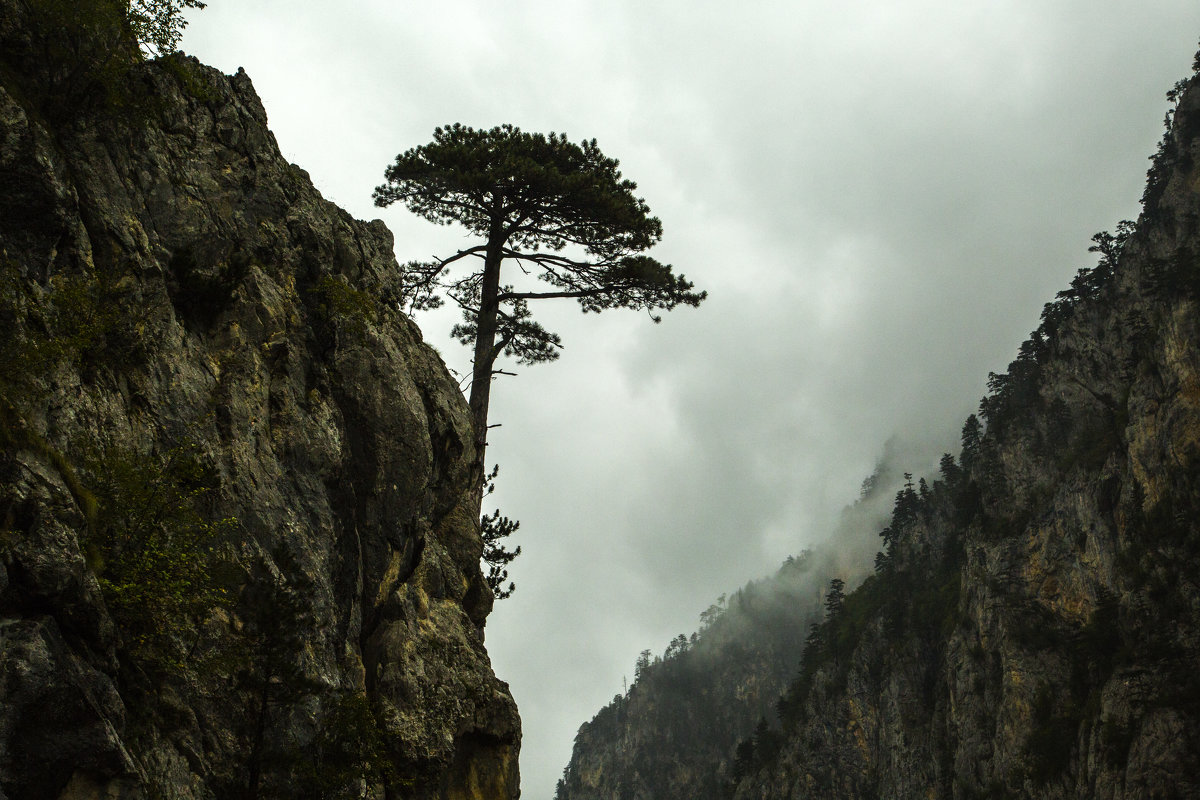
671 734
675 732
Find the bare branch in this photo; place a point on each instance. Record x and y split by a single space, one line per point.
546 295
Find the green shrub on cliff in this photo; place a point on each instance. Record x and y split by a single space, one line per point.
78 53
335 300
158 24
150 546
350 749
77 320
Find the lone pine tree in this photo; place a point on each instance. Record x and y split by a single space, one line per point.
542 206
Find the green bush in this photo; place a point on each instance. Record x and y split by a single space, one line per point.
85 49
158 24
350 748
337 301
150 546
78 320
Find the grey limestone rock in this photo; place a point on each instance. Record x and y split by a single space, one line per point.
171 285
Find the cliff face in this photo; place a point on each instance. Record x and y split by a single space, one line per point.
238 555
1032 627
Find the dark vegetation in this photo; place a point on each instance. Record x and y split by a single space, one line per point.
86 49
683 715
150 545
267 660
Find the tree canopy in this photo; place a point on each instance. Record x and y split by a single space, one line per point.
159 24
556 211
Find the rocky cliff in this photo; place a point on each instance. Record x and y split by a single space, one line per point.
1032 626
238 552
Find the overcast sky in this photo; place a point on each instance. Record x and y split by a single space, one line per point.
879 197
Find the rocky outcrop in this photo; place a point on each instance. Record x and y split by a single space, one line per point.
239 555
1032 626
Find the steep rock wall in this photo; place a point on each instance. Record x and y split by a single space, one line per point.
1034 628
204 357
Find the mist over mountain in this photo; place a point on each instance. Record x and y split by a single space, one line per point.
1030 625
674 730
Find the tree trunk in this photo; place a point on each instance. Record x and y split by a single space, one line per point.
486 326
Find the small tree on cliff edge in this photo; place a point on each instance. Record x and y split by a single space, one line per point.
555 210
159 24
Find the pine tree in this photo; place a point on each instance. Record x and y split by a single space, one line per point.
493 529
972 436
836 597
545 207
